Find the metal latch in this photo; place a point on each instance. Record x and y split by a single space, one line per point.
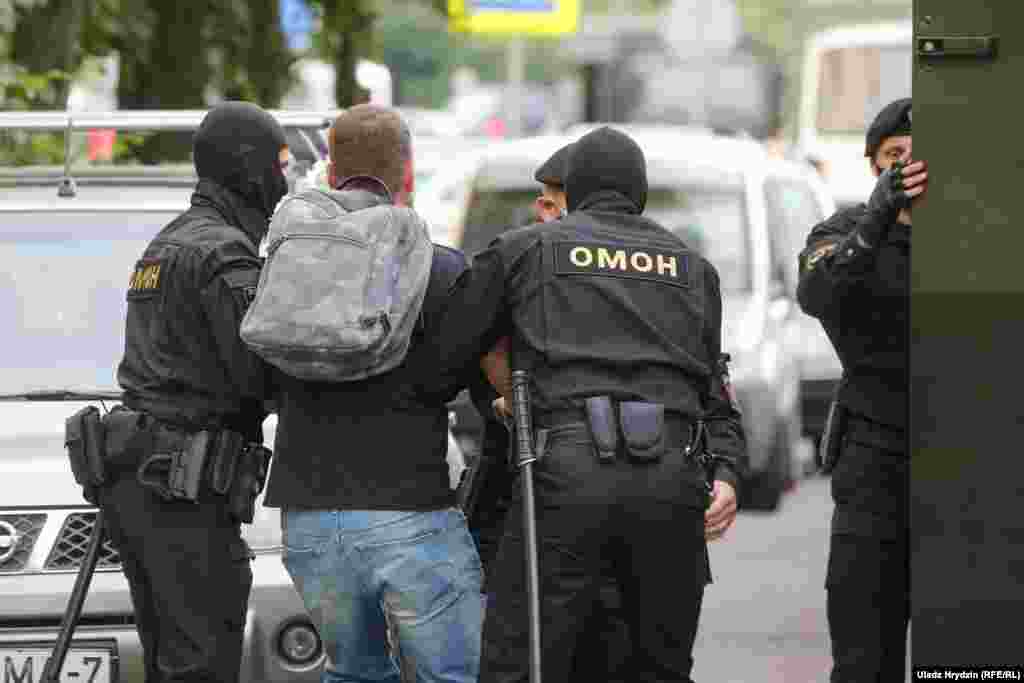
980 47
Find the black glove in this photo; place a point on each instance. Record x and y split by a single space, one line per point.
885 203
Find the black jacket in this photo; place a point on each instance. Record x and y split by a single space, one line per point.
861 295
184 361
378 443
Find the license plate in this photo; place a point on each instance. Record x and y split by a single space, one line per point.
80 666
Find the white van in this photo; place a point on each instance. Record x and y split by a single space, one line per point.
849 74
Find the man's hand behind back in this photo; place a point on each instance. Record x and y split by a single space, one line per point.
496 366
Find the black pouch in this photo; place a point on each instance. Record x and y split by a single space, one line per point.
832 438
128 438
603 427
643 428
227 449
84 439
250 476
187 466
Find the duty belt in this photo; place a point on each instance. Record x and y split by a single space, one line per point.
635 431
679 428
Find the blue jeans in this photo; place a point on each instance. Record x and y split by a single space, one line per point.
373 577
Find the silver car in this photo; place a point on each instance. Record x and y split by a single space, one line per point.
62 311
712 191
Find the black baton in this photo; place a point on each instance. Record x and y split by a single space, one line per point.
524 444
51 672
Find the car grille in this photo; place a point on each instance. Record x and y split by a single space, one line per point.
27 528
73 542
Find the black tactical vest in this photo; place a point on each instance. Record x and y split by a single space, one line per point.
609 303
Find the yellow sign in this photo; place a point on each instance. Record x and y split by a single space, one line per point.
523 17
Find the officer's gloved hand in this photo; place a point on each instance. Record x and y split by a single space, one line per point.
888 199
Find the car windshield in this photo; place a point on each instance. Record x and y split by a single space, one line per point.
855 83
710 219
62 295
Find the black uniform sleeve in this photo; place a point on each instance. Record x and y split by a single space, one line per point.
481 393
726 440
474 319
226 298
840 254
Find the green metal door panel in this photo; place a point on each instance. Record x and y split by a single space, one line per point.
967 335
968 112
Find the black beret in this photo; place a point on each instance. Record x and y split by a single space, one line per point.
553 171
894 119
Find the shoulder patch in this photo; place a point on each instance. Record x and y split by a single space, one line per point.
145 279
818 253
671 267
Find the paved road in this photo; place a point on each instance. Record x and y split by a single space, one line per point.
764 616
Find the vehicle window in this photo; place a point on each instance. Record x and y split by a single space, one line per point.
855 83
62 295
711 220
792 210
492 212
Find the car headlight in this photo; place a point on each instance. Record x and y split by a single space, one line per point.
299 644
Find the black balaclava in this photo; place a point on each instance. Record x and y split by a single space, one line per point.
609 162
238 146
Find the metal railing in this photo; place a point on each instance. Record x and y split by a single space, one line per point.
145 120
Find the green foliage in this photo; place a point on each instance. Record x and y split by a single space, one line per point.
172 55
127 147
19 148
346 35
24 91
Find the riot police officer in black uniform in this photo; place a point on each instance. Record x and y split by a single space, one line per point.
603 644
619 324
193 397
854 279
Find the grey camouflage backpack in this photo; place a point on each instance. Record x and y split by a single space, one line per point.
342 287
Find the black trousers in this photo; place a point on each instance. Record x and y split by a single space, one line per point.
868 578
190 577
642 524
603 647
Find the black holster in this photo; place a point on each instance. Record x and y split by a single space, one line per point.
250 475
832 438
238 471
85 440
